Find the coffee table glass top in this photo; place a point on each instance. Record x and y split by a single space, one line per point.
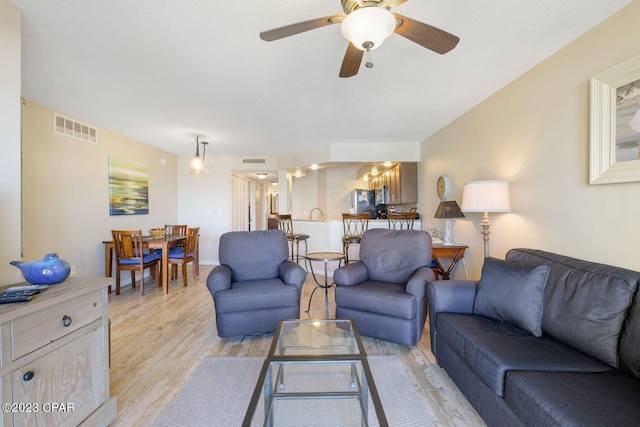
312 339
316 373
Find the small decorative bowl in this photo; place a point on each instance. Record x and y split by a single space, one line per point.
157 233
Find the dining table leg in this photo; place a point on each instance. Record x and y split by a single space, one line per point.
196 264
108 252
165 269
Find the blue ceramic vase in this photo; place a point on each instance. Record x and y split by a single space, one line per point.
48 271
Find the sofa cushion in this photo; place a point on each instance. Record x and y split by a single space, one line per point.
268 250
256 295
585 303
491 349
574 399
512 293
411 250
630 340
378 297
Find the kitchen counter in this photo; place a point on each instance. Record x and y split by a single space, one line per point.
326 235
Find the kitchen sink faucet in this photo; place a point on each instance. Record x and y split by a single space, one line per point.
316 209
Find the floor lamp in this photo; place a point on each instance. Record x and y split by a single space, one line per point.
485 197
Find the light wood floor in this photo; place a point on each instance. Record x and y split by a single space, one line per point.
158 340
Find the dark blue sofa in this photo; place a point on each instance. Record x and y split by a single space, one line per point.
542 340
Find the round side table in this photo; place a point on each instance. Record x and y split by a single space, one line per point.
324 257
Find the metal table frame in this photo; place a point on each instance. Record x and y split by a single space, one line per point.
324 257
355 355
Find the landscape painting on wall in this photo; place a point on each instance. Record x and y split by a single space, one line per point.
628 122
128 188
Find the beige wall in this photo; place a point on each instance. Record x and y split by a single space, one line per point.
10 185
66 195
535 134
206 199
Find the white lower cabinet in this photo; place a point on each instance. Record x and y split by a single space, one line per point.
55 360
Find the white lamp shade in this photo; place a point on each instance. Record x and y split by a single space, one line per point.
485 196
368 24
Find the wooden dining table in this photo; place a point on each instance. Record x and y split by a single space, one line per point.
163 243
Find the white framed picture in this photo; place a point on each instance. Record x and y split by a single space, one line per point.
615 124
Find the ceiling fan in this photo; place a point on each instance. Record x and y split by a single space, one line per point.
366 24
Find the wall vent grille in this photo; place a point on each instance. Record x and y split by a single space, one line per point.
253 161
74 129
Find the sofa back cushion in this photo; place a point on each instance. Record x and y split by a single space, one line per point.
253 255
585 303
512 292
630 340
394 255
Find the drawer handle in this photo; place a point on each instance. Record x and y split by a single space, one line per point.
66 321
28 376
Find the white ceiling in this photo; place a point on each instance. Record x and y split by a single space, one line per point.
163 71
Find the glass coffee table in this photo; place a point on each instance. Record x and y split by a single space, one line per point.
316 373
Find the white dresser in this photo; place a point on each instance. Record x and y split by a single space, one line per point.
54 361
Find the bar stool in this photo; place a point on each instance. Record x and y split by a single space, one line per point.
354 226
401 221
285 224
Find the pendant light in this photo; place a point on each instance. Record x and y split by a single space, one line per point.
196 167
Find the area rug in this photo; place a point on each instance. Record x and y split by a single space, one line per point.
219 391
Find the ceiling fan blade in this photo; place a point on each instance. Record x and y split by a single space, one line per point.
351 62
425 35
300 27
398 3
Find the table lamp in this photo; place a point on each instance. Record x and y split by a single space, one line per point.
446 210
485 197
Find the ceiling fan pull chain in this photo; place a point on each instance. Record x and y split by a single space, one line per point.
368 64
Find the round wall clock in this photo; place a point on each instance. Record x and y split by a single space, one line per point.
443 187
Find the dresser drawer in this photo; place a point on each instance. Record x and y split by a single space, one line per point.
70 377
38 329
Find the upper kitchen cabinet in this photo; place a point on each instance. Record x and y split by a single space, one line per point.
402 183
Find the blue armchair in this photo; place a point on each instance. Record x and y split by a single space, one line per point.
255 285
385 292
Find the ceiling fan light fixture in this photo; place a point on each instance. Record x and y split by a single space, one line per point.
368 27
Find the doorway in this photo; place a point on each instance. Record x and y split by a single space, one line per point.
249 203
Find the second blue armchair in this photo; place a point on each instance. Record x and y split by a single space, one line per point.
386 291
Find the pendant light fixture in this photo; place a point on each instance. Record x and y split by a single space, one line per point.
196 167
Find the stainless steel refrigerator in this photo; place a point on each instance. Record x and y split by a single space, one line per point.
364 201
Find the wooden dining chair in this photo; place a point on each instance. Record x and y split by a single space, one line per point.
129 252
175 230
354 226
185 254
401 221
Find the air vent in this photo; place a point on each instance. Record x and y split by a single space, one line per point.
253 161
74 129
